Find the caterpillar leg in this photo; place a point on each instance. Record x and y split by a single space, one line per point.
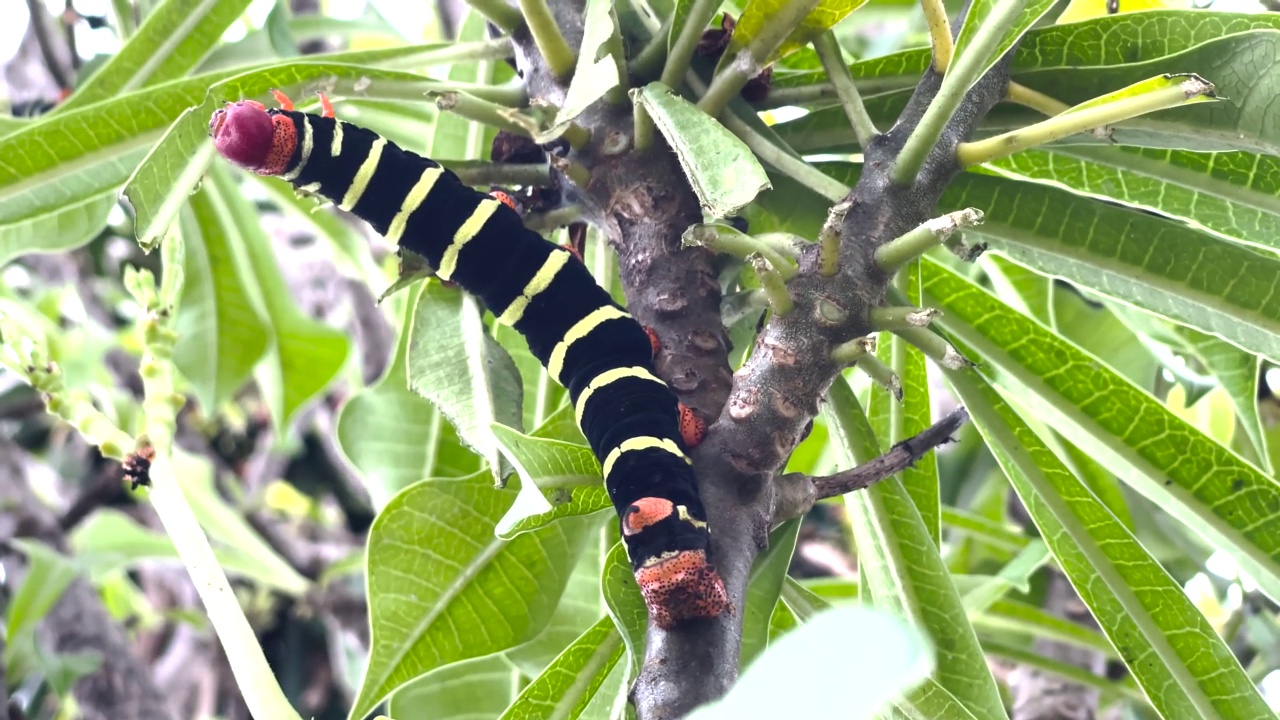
677 585
692 428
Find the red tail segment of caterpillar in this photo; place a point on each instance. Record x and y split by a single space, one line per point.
587 342
678 585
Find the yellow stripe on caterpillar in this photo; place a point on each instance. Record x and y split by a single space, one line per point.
541 281
308 142
643 442
683 512
412 201
605 378
580 329
361 181
335 147
469 229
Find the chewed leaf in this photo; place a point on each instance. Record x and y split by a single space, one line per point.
721 168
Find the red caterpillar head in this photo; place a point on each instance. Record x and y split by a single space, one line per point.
249 136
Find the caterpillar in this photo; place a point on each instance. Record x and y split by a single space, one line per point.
588 343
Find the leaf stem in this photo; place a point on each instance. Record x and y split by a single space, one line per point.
848 353
833 62
481 111
903 249
736 71
546 35
686 41
878 371
935 14
1036 100
895 318
643 127
775 288
1087 118
256 681
531 174
647 64
499 13
962 73
783 160
728 240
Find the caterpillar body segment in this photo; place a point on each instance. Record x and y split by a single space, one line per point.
587 342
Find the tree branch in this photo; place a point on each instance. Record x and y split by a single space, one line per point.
898 458
757 416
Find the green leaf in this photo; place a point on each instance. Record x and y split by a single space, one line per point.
597 70
1199 482
222 332
1111 690
469 690
851 663
109 540
568 685
1237 64
437 575
896 420
1233 194
175 37
60 177
1015 575
1240 66
227 527
48 573
1175 654
984 12
305 356
764 588
803 602
626 605
1007 617
902 568
394 436
580 605
566 474
454 363
989 531
1238 372
546 463
721 168
758 13
1148 261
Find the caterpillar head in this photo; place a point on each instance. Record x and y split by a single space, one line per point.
249 136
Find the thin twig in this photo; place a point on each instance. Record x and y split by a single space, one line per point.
898 458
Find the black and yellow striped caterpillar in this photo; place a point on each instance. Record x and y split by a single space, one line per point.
587 342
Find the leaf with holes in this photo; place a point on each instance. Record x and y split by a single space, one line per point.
723 171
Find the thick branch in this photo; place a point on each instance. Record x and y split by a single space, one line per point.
758 416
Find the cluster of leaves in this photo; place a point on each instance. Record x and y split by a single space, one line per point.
1122 324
